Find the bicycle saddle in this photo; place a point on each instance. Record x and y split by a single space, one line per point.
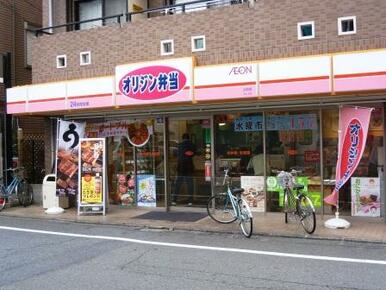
298 186
237 191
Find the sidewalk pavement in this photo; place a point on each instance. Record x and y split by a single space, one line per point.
269 224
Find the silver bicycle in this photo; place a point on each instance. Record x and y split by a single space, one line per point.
229 206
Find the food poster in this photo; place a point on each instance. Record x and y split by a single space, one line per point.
69 134
315 196
365 197
254 192
125 194
92 171
146 190
139 133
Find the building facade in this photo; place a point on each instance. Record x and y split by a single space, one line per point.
254 86
18 19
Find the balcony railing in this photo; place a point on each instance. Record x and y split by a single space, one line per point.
152 12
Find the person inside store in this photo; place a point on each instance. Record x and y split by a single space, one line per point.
256 163
185 168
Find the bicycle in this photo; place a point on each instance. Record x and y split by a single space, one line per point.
297 203
18 188
227 207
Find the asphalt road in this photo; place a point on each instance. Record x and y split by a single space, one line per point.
114 257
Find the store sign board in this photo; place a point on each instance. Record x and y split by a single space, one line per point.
276 123
69 134
296 76
254 192
90 93
361 71
154 82
365 197
92 175
233 81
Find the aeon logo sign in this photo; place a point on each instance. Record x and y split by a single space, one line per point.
152 82
241 70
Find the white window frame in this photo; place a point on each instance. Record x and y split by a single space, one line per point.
57 61
194 49
300 24
81 57
162 46
340 19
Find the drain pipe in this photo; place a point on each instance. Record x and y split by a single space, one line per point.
50 22
13 65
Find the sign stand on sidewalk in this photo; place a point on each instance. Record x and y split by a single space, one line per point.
54 210
92 176
337 222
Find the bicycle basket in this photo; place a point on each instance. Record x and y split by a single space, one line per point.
285 179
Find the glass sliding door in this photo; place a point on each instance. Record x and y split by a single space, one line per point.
189 161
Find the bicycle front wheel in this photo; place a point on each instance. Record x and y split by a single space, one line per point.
220 209
246 220
24 193
306 213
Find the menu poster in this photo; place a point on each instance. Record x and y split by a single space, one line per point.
69 134
254 192
146 191
125 194
92 172
365 196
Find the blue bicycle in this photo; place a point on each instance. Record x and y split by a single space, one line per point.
18 188
229 206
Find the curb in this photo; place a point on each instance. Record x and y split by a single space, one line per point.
214 231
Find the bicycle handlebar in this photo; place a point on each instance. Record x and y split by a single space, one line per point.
292 172
14 169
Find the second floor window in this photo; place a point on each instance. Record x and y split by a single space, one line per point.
90 9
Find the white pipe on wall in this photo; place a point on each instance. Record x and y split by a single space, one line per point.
50 22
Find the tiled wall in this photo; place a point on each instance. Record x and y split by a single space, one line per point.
234 33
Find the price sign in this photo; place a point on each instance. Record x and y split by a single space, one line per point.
92 175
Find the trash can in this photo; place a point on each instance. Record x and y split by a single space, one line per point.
49 193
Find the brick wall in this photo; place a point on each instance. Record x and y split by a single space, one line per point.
234 33
12 40
12 33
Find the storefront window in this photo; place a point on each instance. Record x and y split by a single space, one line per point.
293 142
239 147
362 194
135 160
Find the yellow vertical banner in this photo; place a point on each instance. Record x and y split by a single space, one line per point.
92 173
